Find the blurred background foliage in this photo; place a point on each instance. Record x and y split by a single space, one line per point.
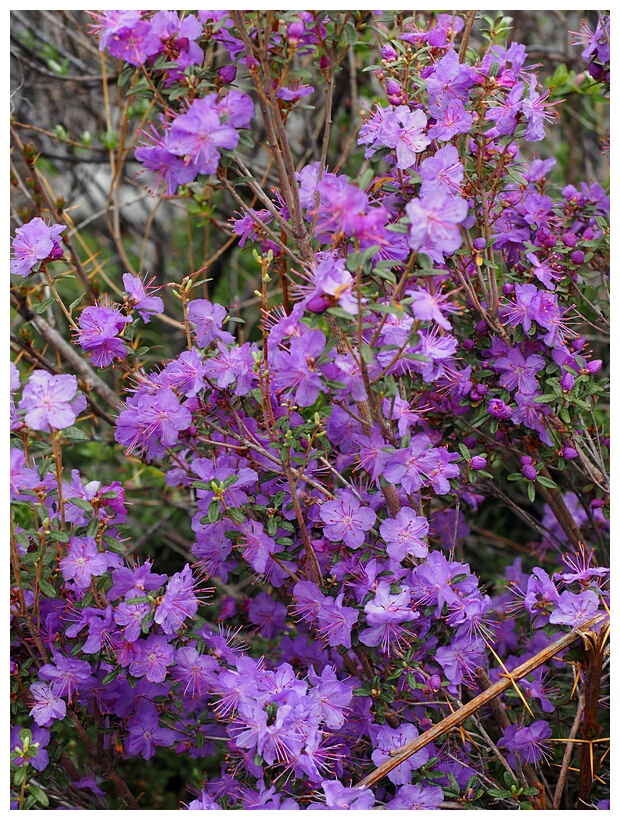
66 102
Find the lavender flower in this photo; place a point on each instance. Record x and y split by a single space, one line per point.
35 242
146 305
50 401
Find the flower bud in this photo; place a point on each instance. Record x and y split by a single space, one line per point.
478 463
227 73
295 32
567 382
508 289
594 366
434 684
499 409
529 471
317 304
388 53
569 453
577 257
569 239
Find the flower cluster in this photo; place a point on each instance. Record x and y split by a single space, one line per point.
423 350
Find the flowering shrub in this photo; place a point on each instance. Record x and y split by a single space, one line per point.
428 363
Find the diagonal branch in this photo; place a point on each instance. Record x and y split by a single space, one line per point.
466 711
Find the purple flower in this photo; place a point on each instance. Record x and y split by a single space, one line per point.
389 740
68 675
204 803
208 319
504 115
162 164
442 170
199 135
35 242
157 655
186 373
405 535
333 285
575 609
236 109
140 578
499 409
178 603
47 707
83 561
257 545
295 370
460 659
338 796
346 520
435 221
330 697
99 328
49 401
336 621
529 741
407 137
152 419
268 615
146 734
384 614
534 106
416 797
427 306
146 305
541 596
195 671
519 372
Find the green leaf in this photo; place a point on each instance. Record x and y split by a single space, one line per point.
47 589
75 303
464 452
93 527
147 622
236 515
202 485
531 492
509 780
546 482
58 535
81 503
114 544
43 306
213 512
111 676
499 793
75 434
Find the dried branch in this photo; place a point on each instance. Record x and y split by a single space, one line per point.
462 714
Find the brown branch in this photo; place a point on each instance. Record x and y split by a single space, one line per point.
471 18
462 714
122 788
590 728
559 789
